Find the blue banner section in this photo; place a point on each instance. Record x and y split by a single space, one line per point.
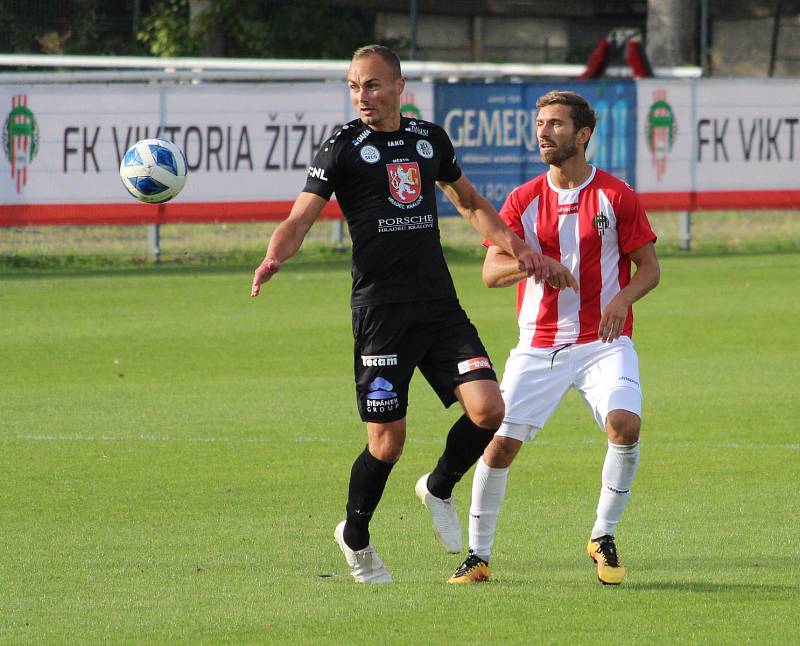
493 128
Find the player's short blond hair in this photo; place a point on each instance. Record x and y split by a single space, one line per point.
384 52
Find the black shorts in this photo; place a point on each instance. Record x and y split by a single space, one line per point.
394 338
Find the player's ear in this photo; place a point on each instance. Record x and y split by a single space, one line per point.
400 84
584 134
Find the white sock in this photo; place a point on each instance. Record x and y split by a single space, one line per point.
488 491
619 470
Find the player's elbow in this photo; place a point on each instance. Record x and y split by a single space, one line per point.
491 277
655 276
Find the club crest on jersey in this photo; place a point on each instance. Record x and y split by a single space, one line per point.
600 223
404 181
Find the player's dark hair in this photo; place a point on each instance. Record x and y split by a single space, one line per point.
384 52
583 116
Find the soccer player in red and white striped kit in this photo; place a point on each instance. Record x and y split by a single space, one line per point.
592 223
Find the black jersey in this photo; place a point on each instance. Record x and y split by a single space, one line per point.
385 183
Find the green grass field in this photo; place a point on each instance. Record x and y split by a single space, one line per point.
175 457
244 243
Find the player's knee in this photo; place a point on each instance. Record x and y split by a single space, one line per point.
393 455
501 452
489 415
386 440
386 451
623 427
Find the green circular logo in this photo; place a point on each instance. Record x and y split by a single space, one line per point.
661 123
20 135
410 110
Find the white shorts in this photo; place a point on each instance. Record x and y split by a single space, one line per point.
536 379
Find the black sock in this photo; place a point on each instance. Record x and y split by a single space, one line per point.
465 444
367 480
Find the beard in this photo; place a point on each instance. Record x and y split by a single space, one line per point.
371 120
557 156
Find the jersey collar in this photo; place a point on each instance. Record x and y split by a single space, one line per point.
572 190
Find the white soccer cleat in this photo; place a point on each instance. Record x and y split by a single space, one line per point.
446 526
365 565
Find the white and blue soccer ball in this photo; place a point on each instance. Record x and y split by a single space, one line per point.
153 170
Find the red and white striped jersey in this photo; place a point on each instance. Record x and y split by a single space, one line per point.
590 230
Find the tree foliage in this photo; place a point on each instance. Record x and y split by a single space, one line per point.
241 28
68 27
166 30
268 29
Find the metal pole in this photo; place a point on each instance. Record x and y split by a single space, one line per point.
412 55
154 241
685 235
776 26
704 63
477 38
337 234
154 230
137 15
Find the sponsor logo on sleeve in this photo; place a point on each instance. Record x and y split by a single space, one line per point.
413 127
361 137
317 173
476 363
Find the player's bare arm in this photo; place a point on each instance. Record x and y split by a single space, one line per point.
502 270
288 237
480 213
648 273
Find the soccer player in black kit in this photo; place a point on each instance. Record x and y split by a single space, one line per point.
383 169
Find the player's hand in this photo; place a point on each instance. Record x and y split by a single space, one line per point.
266 270
532 263
613 318
560 276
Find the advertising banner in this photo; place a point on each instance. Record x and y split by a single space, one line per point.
248 147
719 144
493 128
684 145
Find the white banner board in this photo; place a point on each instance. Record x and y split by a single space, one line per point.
719 143
246 144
